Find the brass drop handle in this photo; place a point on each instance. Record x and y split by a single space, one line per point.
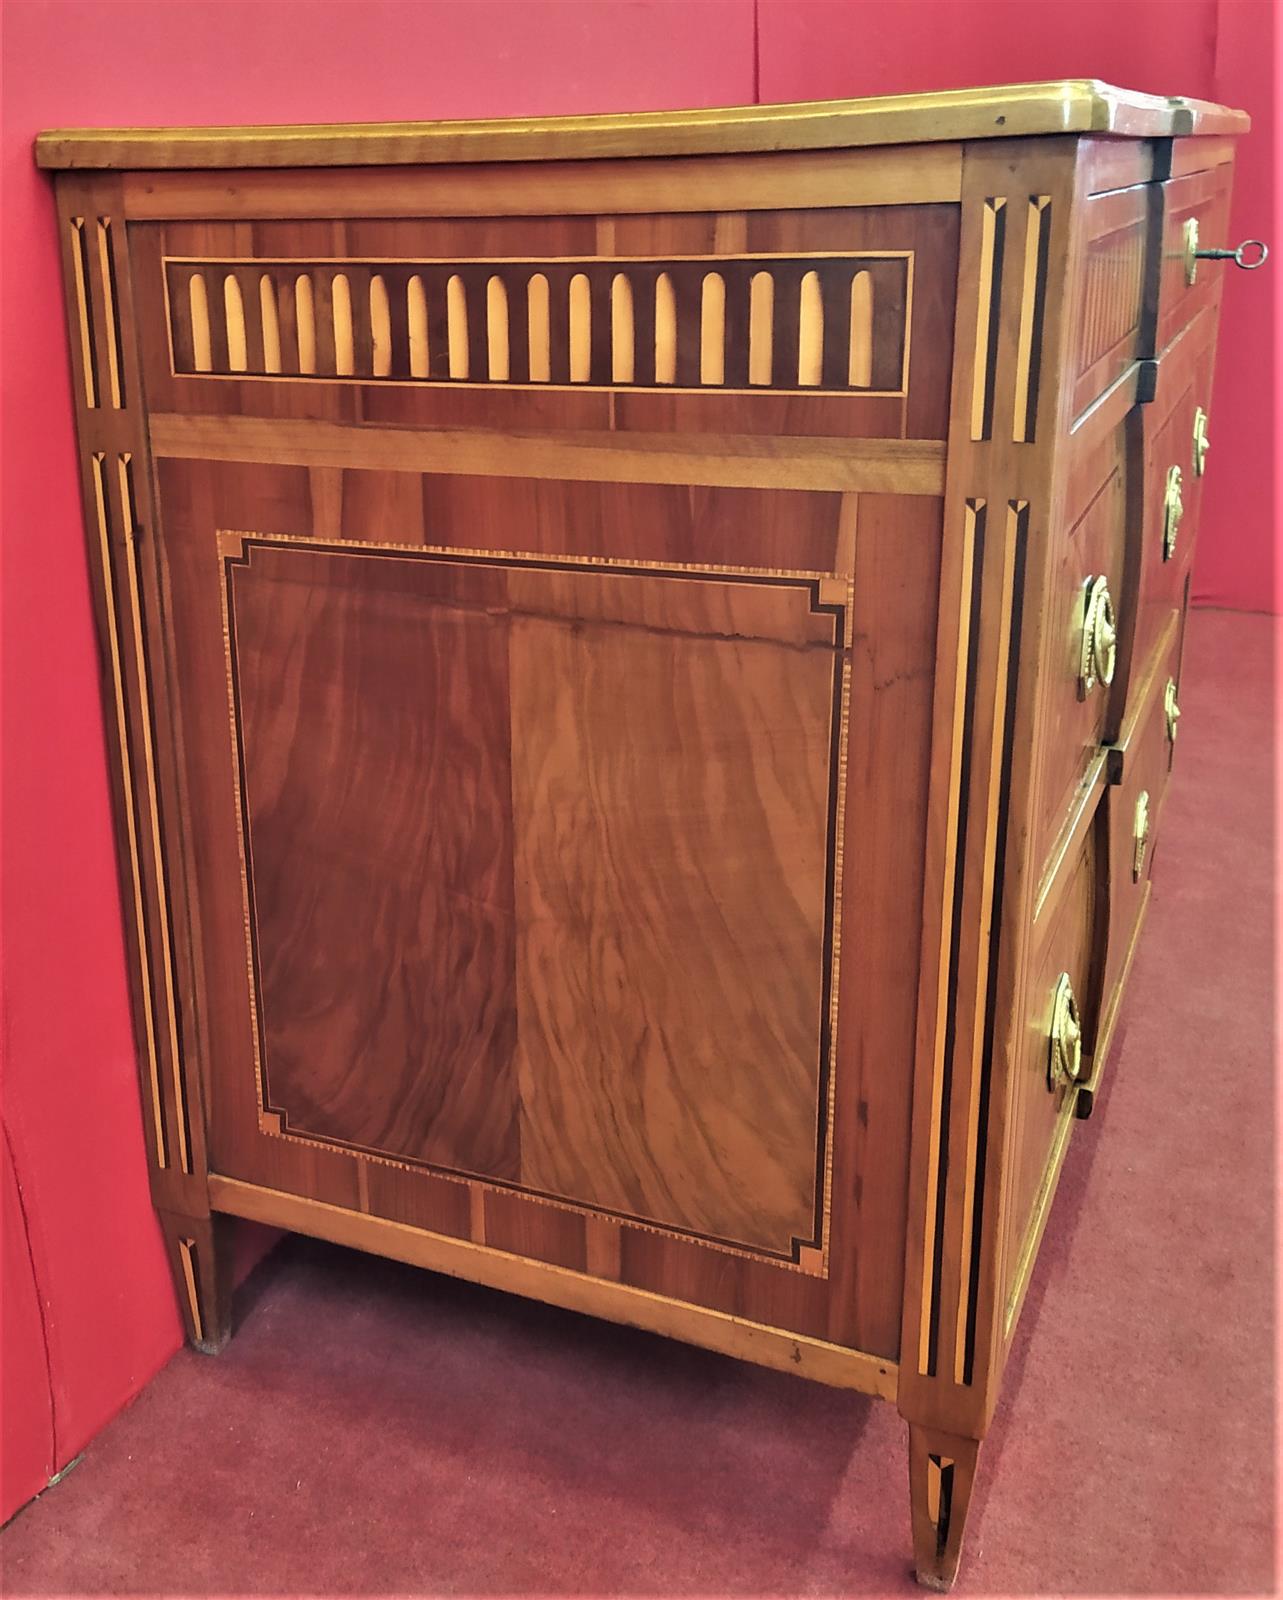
1171 710
1240 255
1140 834
1173 510
1099 651
1202 444
1065 1052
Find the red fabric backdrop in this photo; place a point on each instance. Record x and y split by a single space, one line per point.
88 1313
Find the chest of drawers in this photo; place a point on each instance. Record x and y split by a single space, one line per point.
642 660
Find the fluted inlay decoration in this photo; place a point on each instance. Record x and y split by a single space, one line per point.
831 323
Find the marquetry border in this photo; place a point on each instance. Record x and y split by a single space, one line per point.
829 593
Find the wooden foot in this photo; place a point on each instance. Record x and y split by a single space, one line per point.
942 1467
200 1262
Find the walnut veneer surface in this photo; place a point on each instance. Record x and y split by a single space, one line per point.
643 663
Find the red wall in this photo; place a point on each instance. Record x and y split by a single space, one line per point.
88 1299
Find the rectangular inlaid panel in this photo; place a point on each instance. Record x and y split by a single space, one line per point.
540 871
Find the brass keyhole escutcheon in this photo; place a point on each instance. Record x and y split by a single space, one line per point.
1171 710
1065 1053
1190 237
1099 653
1140 835
1173 511
1202 444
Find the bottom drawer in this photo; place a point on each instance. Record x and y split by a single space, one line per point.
1133 809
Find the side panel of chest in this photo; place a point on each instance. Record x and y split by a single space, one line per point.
541 802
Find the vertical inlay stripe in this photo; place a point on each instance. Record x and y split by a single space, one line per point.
97 473
80 273
1032 309
988 309
128 515
937 1170
990 888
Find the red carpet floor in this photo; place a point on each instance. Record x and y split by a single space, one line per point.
374 1430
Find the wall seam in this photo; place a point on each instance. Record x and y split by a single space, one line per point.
40 1299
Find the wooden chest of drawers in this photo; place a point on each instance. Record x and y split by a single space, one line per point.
642 657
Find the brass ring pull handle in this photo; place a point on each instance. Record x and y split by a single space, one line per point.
1099 654
1173 510
1202 444
1171 710
1065 1041
1239 255
1140 834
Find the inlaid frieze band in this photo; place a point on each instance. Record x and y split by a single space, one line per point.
820 323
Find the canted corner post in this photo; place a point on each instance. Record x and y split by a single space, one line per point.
121 524
1012 321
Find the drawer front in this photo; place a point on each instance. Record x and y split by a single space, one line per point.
1171 491
1066 955
1133 811
1110 327
1092 569
834 323
1195 205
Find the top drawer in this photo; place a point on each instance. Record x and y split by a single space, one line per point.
1195 216
834 322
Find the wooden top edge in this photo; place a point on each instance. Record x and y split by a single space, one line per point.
1005 111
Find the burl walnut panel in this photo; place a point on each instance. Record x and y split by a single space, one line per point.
534 958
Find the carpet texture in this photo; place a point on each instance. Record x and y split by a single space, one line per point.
376 1430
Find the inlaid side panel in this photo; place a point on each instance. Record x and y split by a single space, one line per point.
885 550
521 840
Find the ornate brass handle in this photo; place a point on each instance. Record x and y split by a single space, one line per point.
1171 710
1140 834
1173 511
1238 255
1065 1052
1099 653
1202 444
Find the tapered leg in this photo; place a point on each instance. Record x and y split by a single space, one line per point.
942 1467
199 1258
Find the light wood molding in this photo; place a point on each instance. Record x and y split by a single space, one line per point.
872 466
480 1263
1082 105
928 174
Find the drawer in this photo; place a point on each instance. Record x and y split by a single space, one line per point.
1086 599
1113 319
1132 812
1170 483
1195 216
1063 992
769 322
